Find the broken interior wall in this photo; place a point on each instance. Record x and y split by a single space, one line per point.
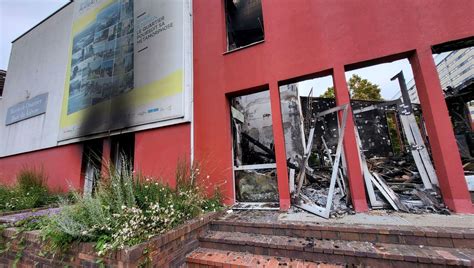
372 126
373 129
327 128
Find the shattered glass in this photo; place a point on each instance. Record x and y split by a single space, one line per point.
256 185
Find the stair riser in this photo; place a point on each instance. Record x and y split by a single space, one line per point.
449 240
318 256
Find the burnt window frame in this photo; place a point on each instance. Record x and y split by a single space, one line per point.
229 48
91 164
122 148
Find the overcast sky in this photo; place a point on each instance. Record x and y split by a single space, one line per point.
17 17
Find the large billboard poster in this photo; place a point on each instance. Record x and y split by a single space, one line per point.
126 66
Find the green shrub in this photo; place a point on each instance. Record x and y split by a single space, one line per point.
128 209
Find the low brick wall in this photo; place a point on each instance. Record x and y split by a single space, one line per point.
167 250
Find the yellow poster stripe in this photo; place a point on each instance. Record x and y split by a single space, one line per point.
90 17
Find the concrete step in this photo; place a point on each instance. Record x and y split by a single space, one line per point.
406 235
205 257
337 251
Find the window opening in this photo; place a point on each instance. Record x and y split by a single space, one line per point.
244 22
253 148
313 127
91 165
122 151
3 75
394 146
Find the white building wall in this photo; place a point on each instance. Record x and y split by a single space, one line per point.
37 65
456 68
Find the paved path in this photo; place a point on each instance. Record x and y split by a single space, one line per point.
387 218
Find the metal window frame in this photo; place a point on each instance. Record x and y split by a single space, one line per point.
306 203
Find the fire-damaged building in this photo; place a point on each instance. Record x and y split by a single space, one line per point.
219 83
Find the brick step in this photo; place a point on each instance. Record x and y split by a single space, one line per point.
406 235
205 257
338 251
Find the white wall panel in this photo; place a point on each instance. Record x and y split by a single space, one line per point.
37 65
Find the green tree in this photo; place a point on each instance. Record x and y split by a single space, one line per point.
359 89
329 93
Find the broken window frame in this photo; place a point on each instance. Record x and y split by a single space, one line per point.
122 151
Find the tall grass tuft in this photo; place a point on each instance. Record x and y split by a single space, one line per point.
30 191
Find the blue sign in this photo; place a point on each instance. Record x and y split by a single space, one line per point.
27 109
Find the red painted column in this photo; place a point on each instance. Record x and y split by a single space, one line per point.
106 150
440 131
354 171
280 152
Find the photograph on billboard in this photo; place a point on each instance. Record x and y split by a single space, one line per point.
126 66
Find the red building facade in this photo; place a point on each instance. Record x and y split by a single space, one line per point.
303 39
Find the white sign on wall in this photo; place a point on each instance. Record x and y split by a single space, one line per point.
27 109
126 66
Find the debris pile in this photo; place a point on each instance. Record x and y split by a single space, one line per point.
321 197
395 158
394 152
402 176
340 205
